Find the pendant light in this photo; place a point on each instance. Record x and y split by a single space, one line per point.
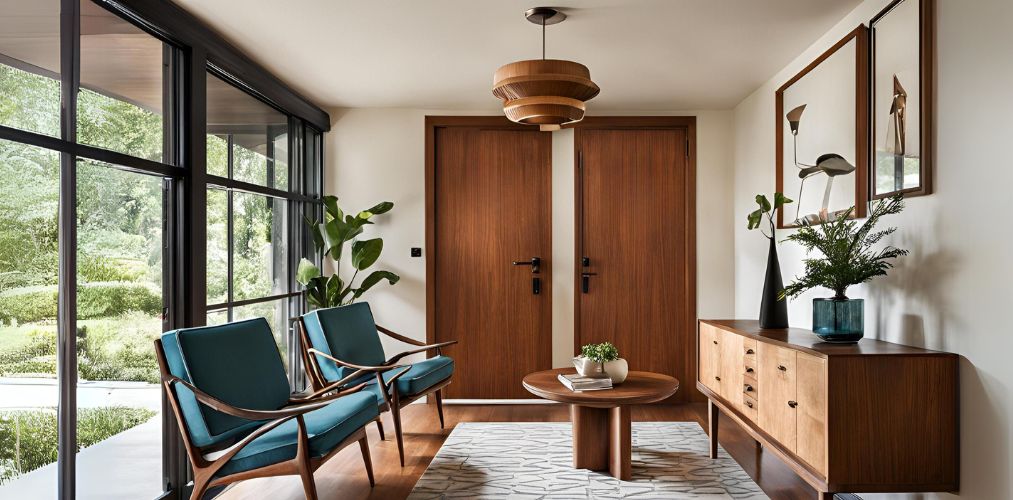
544 92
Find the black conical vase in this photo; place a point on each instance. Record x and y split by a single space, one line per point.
773 312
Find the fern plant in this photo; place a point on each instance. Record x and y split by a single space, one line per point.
848 257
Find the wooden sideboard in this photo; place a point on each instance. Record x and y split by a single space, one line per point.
848 418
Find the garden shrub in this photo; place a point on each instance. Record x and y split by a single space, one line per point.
38 357
94 300
28 437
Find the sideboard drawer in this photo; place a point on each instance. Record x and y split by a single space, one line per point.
750 407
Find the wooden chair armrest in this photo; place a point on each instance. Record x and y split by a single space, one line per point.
398 336
322 395
424 348
361 368
219 405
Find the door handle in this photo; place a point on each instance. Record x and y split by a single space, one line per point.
585 281
535 263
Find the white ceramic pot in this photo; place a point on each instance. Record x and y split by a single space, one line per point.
617 370
585 367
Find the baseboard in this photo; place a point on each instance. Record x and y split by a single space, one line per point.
498 402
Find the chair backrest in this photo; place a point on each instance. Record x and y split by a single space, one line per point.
238 363
347 333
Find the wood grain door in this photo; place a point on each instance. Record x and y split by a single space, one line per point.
491 207
811 413
635 248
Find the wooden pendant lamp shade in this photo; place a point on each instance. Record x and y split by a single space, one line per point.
544 92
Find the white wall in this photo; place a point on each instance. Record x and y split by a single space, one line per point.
379 154
954 291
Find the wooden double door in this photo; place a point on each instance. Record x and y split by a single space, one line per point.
489 238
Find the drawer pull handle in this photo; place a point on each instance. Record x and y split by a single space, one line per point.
782 368
715 342
749 404
750 351
749 370
717 378
749 388
792 404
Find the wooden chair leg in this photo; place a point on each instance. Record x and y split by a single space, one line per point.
395 412
199 489
302 458
364 448
439 406
379 427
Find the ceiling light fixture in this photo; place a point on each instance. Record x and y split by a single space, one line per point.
544 92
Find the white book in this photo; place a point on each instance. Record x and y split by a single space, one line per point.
578 383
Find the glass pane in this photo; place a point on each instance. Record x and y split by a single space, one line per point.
276 314
218 317
119 308
260 262
119 105
29 196
218 246
30 65
254 131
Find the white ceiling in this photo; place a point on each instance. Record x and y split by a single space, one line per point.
647 55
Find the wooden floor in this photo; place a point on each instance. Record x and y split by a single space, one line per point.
344 476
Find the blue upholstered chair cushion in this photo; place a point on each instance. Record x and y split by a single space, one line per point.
326 428
347 333
238 363
420 377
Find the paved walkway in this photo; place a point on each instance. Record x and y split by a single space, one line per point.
127 466
43 392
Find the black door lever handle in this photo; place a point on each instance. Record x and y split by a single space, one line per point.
535 263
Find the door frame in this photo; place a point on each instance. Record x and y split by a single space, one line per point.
688 125
432 123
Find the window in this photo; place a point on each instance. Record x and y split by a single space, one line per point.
255 230
121 96
107 133
30 66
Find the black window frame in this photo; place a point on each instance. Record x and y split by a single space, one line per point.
192 49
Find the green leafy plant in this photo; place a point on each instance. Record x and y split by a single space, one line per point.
330 238
600 353
848 256
755 218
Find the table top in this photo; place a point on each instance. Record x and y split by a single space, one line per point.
638 388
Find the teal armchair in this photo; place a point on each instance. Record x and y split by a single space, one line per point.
228 390
341 345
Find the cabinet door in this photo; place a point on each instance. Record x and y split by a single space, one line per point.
777 394
731 367
811 412
710 357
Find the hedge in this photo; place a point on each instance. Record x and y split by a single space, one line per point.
94 300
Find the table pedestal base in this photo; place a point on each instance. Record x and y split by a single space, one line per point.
601 439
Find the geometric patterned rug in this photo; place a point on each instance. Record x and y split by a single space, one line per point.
526 460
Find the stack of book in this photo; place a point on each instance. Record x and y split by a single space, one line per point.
580 383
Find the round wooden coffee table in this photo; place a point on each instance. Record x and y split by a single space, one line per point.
601 419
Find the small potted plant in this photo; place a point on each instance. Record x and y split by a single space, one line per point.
848 259
601 358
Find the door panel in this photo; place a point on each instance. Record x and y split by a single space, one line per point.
731 366
812 410
635 229
710 357
777 380
492 207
